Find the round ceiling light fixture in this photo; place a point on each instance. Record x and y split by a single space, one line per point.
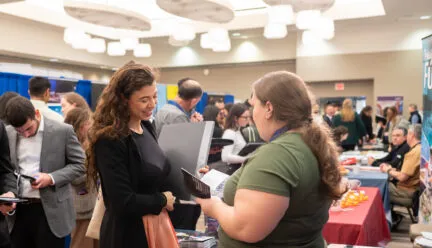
216 11
115 48
177 43
280 14
275 31
183 32
299 5
308 19
129 43
143 50
106 15
96 45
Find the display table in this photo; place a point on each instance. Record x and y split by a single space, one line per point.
364 225
378 180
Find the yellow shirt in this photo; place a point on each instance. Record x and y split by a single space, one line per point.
411 168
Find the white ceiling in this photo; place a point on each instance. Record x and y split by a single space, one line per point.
248 14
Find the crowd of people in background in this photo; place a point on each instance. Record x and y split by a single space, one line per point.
115 149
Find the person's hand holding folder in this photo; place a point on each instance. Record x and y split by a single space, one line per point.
6 208
170 200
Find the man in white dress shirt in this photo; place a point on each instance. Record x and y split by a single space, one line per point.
39 91
47 156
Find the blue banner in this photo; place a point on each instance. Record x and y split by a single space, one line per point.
425 209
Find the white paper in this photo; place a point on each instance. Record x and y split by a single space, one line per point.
423 242
214 178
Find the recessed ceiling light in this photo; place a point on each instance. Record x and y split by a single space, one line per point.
425 17
115 68
236 34
53 60
244 37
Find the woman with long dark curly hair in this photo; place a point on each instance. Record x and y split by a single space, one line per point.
281 196
124 152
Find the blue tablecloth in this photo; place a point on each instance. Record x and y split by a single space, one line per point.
378 180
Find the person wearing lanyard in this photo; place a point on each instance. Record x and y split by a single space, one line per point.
409 175
182 108
281 195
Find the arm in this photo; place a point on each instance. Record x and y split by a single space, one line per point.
248 224
112 163
75 159
265 184
228 155
409 166
7 177
180 119
400 176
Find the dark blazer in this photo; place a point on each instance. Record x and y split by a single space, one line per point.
7 181
7 177
367 122
395 157
131 188
328 121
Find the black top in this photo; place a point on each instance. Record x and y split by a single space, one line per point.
132 171
7 177
395 157
7 181
415 113
367 122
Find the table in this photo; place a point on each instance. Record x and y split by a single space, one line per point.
379 180
364 225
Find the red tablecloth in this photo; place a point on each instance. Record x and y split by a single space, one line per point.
365 225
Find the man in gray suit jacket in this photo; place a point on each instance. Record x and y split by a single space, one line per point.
49 152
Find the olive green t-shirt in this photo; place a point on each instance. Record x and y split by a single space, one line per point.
285 167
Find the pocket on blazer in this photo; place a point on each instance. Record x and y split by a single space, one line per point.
64 193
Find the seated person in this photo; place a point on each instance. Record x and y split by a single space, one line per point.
340 134
397 152
409 176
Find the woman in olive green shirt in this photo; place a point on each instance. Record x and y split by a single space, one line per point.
281 196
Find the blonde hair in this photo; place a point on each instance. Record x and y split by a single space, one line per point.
347 112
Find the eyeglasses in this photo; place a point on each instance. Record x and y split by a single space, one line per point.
246 117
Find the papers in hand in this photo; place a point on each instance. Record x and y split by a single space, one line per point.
214 178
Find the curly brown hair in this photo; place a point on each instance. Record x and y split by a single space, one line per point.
292 105
111 118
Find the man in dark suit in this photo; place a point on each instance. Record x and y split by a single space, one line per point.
50 152
329 113
7 186
398 151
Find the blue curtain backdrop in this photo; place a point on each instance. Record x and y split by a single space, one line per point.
84 88
14 82
19 83
229 99
202 103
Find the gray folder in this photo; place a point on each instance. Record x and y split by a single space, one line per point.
187 146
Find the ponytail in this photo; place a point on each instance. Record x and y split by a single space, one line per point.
318 139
